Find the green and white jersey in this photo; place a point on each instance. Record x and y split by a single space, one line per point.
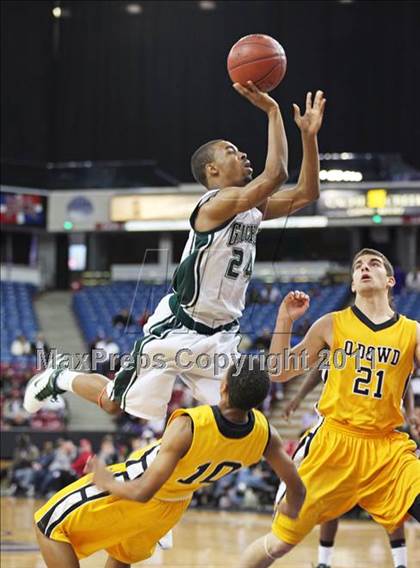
216 266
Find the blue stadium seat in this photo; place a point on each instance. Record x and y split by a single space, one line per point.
17 318
96 306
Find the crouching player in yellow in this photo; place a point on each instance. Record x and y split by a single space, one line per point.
127 508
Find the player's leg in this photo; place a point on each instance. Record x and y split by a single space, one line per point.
394 482
264 551
56 554
326 543
96 388
54 381
329 482
398 547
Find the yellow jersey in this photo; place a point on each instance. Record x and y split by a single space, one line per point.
91 519
218 447
369 369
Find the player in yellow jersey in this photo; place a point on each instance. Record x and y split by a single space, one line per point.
328 530
354 456
127 508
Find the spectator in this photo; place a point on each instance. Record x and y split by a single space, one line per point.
111 348
254 296
84 455
21 473
270 294
262 343
143 318
108 359
108 453
309 418
40 466
245 343
276 393
20 346
101 343
412 280
59 473
122 319
13 413
40 346
52 416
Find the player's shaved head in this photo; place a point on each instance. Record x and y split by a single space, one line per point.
201 157
248 384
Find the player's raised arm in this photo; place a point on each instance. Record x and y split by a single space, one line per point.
306 191
237 196
285 470
176 441
292 362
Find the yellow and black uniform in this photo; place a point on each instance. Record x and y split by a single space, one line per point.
355 455
91 519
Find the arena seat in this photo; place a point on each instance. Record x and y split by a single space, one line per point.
408 303
17 318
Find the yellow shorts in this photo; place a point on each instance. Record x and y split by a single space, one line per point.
91 520
342 468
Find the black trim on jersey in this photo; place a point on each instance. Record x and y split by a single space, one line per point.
195 213
407 382
43 522
142 459
371 325
183 317
311 438
269 433
232 429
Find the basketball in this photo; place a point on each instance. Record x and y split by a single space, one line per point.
258 58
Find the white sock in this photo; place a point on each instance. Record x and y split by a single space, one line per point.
324 555
399 556
65 380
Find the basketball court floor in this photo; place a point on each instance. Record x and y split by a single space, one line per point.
214 539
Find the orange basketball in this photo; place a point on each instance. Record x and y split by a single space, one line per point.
258 58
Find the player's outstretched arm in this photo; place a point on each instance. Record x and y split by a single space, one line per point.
306 191
176 441
291 362
234 200
308 385
285 470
